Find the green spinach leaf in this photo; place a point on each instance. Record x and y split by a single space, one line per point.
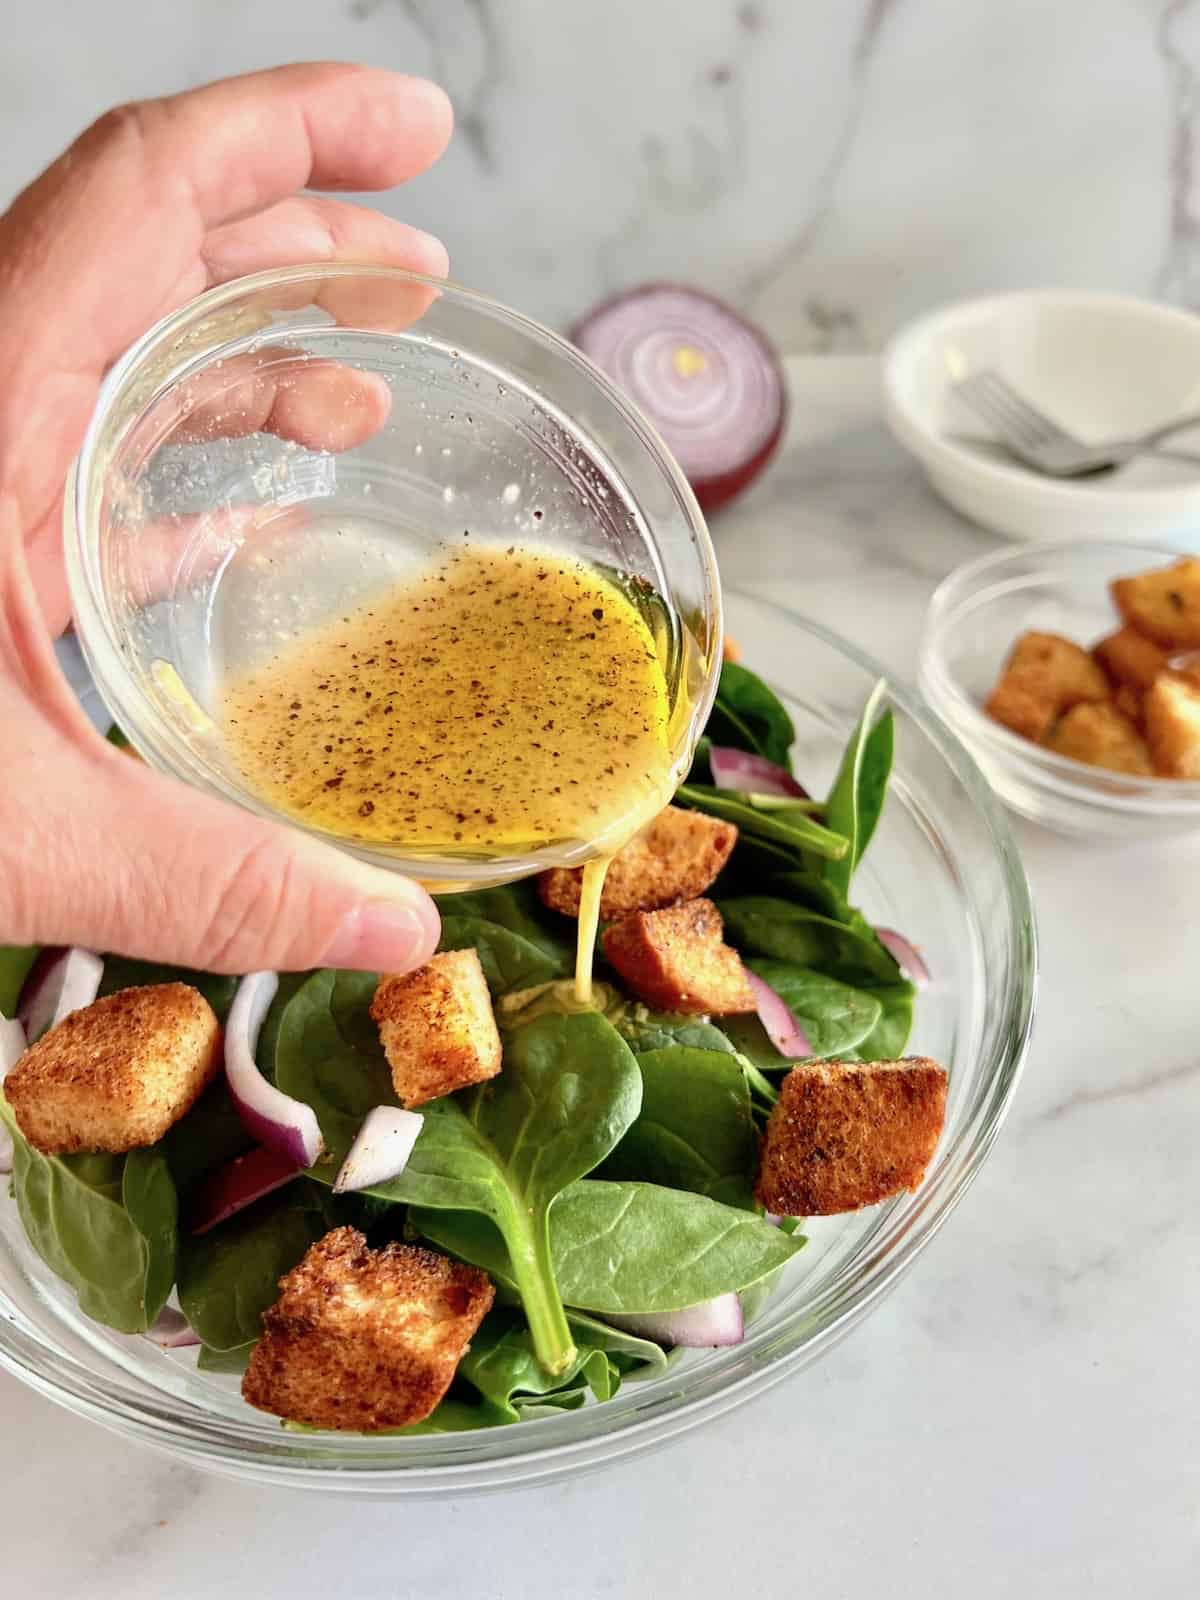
749 716
229 1276
794 829
503 1366
205 1138
645 1030
623 1248
857 796
74 1216
836 1016
694 1130
148 1195
509 960
764 925
235 1360
15 962
517 907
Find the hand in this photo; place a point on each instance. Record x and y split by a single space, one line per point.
153 204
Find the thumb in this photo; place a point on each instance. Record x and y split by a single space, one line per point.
146 867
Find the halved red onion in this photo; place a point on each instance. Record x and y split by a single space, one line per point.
907 957
239 1184
61 982
699 1327
380 1150
12 1048
171 1330
271 1117
739 769
706 378
784 1032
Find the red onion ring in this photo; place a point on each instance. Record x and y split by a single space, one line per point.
12 1048
706 378
906 955
268 1115
738 769
699 1327
67 981
784 1032
380 1150
237 1185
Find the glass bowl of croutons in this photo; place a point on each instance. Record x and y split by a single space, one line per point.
1072 672
755 1180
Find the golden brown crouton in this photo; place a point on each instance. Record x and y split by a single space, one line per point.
1173 726
364 1339
1043 676
1130 658
844 1135
676 959
1103 737
437 1026
731 650
118 1073
675 857
1163 604
1128 702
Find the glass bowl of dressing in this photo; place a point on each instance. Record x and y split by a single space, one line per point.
375 555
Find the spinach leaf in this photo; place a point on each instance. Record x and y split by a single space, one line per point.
835 1016
268 1034
624 1248
236 1360
749 716
148 1195
569 1089
117 737
503 1366
229 1276
645 1030
887 1039
754 1300
205 1138
763 925
15 962
122 972
509 960
857 796
517 907
73 1214
694 1130
792 828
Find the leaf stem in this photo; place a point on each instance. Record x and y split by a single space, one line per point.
534 1272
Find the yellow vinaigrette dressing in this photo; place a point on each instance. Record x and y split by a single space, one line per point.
500 700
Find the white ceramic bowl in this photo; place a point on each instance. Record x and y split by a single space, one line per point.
1102 365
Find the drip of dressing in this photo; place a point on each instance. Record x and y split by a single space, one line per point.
589 921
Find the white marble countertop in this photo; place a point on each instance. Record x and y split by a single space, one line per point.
1019 1418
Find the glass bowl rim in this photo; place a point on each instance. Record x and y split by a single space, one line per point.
171 752
458 1463
1117 791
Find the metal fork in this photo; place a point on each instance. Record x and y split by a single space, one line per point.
1041 443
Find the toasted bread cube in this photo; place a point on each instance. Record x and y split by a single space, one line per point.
116 1074
437 1027
1173 726
1129 702
731 650
677 959
1164 604
1103 737
1043 676
1130 658
844 1135
362 1339
674 858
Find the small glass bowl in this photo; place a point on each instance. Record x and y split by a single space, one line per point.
942 868
975 618
287 445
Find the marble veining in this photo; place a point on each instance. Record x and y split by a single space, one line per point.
1019 1418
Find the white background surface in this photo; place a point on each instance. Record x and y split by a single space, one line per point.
834 166
1019 1419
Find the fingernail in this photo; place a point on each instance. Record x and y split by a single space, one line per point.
382 937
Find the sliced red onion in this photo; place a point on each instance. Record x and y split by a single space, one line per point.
907 957
12 1048
237 1185
739 769
65 982
268 1115
706 378
703 1326
773 1217
171 1330
380 1150
784 1032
